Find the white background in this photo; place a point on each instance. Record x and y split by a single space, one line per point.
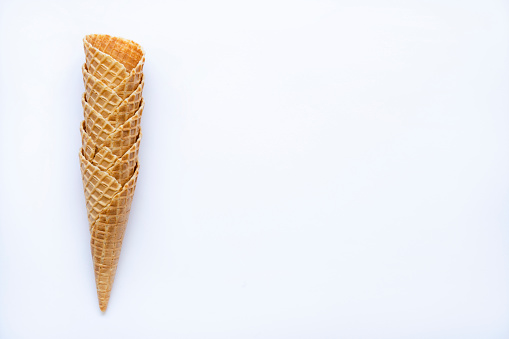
309 169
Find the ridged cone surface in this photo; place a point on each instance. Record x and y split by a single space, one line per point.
111 134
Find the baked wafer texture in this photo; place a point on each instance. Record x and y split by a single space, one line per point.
99 186
107 234
129 85
103 66
88 144
123 168
124 51
111 105
111 135
112 59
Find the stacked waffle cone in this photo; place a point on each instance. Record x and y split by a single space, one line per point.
112 106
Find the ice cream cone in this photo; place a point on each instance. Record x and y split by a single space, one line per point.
111 135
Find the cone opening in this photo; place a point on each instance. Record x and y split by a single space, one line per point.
127 52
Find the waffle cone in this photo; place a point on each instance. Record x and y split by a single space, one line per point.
111 134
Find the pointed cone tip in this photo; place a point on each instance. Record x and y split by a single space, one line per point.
103 301
103 307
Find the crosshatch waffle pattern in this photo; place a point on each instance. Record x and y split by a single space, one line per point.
126 52
129 84
111 134
106 239
102 66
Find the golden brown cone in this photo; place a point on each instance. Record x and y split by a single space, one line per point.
111 134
